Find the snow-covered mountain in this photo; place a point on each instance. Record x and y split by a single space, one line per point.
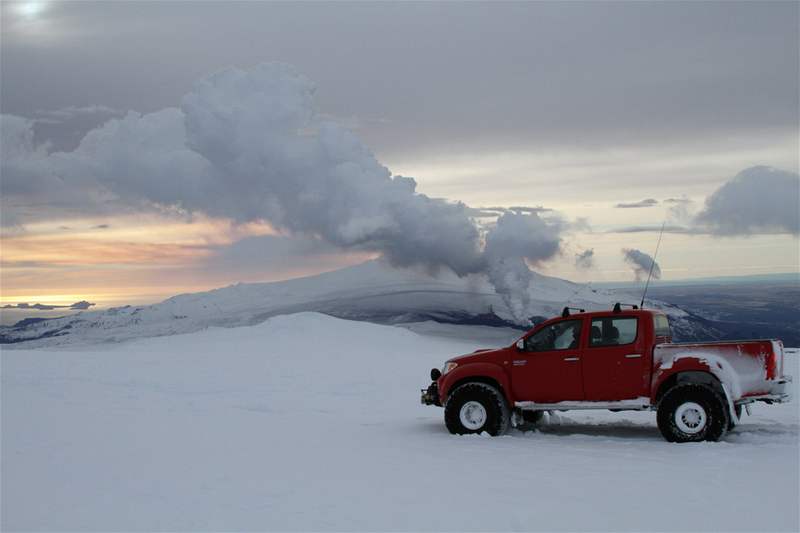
372 291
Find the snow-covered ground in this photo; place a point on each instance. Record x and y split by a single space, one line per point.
307 422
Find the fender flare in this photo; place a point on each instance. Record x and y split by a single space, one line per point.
692 370
481 372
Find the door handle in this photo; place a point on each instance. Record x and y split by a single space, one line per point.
633 356
572 359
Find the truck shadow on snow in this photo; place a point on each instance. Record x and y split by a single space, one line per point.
623 429
620 430
628 430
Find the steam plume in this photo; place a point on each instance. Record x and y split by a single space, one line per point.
248 145
585 259
516 238
640 263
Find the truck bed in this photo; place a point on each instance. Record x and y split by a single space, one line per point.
750 369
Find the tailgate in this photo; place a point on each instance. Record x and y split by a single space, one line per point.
775 370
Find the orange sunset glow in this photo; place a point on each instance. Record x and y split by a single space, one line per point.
127 259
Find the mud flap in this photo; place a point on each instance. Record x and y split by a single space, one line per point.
731 406
516 418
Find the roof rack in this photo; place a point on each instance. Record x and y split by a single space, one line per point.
618 307
565 312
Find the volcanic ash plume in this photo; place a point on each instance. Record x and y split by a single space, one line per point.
514 239
248 145
641 263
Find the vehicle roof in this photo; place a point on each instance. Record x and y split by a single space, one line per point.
609 313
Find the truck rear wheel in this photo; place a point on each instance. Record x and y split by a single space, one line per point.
475 408
692 413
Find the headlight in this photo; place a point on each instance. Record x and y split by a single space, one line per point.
448 366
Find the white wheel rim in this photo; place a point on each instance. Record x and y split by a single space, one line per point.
472 415
691 418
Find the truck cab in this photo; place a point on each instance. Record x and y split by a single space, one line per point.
620 359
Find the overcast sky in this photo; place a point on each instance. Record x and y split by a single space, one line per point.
615 115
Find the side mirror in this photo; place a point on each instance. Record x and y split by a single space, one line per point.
520 345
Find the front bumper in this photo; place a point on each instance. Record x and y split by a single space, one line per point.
430 396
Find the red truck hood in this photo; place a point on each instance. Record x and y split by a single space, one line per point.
477 355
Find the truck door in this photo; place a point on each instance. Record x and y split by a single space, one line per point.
615 364
548 368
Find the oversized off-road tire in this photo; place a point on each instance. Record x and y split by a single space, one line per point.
475 408
692 413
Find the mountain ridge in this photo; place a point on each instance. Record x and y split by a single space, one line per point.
372 291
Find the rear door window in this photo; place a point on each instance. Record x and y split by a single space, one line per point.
613 331
661 326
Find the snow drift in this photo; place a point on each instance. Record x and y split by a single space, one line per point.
310 423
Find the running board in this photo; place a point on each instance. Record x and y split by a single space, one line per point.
637 404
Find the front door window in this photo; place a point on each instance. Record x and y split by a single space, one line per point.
564 335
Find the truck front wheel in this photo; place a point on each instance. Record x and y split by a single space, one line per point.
692 413
475 408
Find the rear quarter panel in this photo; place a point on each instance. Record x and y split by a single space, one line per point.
745 367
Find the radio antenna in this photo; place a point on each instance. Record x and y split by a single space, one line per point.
652 264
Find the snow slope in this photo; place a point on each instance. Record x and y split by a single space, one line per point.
308 422
372 291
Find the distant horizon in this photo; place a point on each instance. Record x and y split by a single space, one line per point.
150 299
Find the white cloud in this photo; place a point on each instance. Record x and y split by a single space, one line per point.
679 209
32 186
647 202
759 199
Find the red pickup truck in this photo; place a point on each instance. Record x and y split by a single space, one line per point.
622 359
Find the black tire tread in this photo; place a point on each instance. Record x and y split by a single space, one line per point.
498 414
714 404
